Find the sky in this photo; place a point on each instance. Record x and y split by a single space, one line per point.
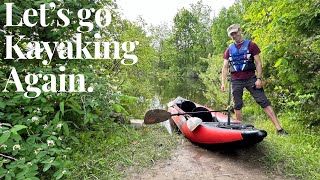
157 12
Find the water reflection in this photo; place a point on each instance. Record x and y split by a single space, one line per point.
155 92
167 89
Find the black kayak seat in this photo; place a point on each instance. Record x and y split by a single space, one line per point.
205 116
187 106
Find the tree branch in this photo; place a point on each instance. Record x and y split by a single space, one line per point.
8 157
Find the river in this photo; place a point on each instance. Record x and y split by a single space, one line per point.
166 90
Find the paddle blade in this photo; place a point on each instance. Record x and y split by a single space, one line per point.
156 116
193 123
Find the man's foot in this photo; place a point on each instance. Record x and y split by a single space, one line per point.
282 132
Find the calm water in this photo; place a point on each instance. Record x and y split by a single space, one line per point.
157 92
168 89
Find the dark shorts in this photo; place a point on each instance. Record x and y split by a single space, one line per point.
237 87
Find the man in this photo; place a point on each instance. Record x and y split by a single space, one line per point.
242 58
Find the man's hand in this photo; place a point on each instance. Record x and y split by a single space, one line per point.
258 84
223 88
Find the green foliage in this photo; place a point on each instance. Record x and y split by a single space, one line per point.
161 42
184 32
180 49
226 17
212 80
35 133
145 52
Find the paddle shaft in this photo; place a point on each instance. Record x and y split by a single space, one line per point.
178 114
229 99
229 95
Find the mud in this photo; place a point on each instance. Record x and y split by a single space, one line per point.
191 162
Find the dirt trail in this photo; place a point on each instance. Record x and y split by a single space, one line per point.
190 162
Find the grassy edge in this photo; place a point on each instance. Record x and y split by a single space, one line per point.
110 149
296 155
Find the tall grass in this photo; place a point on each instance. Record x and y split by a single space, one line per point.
296 155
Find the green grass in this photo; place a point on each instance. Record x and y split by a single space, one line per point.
296 155
109 149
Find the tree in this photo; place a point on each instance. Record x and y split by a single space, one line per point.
192 37
204 45
185 37
226 17
160 35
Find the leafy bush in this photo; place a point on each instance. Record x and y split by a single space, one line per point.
35 133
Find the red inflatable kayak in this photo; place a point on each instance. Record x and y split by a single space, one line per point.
213 128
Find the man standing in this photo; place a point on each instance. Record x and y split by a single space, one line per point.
242 57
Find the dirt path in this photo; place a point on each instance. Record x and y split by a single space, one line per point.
190 162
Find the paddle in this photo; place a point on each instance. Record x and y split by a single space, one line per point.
229 99
160 115
229 94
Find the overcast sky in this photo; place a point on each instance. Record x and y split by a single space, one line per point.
157 11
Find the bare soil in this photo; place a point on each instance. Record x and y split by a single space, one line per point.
191 162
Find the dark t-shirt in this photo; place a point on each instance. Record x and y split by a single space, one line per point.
254 50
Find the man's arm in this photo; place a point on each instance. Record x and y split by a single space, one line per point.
258 64
224 74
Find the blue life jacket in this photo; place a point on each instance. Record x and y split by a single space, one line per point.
241 59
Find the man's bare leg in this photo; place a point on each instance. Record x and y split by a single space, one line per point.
238 114
269 111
